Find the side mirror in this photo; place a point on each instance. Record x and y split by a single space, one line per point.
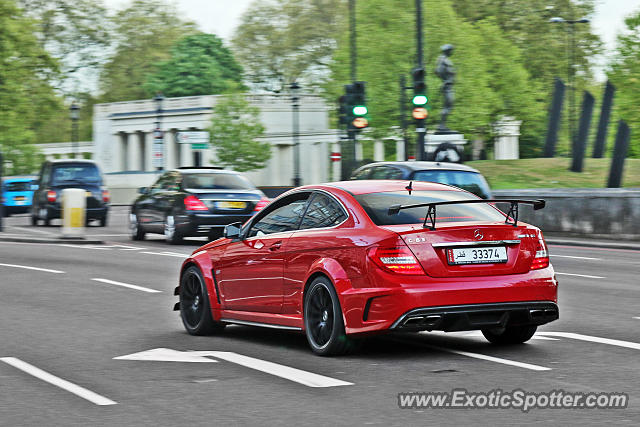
143 190
232 231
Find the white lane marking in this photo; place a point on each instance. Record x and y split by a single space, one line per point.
609 341
576 257
174 254
108 235
166 355
490 358
127 285
637 318
58 382
580 275
33 230
292 374
26 267
478 334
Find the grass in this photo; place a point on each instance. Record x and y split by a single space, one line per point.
553 173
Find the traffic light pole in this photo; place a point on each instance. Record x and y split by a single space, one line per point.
420 123
403 115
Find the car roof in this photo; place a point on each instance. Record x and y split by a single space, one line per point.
204 169
367 186
415 166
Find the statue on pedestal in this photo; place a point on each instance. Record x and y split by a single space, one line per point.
446 72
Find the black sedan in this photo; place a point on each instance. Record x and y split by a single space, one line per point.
455 174
194 202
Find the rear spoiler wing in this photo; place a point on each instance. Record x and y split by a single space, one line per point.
512 214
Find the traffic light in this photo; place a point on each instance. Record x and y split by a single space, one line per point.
344 110
357 103
419 99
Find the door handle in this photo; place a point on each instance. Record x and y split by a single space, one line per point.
275 246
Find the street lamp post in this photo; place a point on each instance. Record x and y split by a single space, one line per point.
571 47
158 137
295 100
74 110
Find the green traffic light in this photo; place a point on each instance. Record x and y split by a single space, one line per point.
420 100
360 110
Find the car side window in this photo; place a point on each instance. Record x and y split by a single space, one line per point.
44 175
362 174
380 172
160 184
281 218
323 212
394 173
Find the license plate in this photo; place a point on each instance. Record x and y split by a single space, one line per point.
231 205
19 198
88 194
492 255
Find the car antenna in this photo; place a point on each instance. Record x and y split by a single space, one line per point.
409 187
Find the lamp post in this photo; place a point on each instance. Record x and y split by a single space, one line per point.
571 47
158 137
295 100
75 114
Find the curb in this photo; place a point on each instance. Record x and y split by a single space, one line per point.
57 240
594 244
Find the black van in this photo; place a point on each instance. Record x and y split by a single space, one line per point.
55 176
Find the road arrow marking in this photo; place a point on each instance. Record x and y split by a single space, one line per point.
292 374
580 275
167 355
609 341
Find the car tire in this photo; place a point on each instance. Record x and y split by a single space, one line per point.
323 322
195 309
46 220
171 234
510 334
34 220
136 232
102 222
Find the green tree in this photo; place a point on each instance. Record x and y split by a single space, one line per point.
200 65
281 41
143 35
624 73
235 129
24 91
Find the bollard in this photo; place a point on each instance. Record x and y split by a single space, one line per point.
74 203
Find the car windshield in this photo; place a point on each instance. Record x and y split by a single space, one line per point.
18 186
377 207
473 182
75 173
216 181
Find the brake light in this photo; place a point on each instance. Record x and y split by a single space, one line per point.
541 259
106 196
192 203
51 196
395 259
261 204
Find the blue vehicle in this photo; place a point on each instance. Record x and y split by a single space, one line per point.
17 194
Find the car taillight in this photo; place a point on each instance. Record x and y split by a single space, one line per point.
192 203
261 204
106 196
397 259
51 196
541 259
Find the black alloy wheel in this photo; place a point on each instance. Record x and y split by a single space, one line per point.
136 232
510 334
324 326
195 310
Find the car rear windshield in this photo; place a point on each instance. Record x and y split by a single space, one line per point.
216 181
377 207
473 182
75 173
18 186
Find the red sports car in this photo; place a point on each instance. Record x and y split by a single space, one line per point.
348 259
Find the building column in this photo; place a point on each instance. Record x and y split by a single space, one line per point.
142 149
133 153
148 136
122 152
378 150
400 154
186 158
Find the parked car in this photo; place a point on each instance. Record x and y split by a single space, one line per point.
55 176
17 194
194 202
461 176
354 258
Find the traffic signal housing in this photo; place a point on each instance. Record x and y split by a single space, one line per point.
357 106
420 99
